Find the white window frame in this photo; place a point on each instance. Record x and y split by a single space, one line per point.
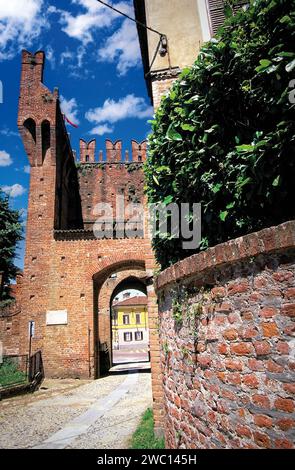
138 333
204 20
130 336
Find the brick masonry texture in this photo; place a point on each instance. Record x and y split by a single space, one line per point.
160 87
66 267
227 335
10 322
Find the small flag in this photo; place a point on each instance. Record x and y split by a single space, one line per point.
68 121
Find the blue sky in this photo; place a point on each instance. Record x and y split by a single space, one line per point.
92 56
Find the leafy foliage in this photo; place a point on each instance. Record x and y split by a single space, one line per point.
224 136
10 235
10 374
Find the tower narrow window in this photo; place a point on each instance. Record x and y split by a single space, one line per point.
45 133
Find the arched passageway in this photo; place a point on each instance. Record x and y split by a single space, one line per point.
108 290
129 322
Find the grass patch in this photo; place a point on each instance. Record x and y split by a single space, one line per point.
10 374
144 436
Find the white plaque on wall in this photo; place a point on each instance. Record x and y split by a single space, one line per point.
56 317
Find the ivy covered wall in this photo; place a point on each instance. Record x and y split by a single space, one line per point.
224 137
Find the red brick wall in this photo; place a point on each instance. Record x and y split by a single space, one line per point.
228 361
106 180
161 87
10 322
9 334
65 266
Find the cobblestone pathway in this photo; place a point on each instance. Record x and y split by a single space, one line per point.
101 414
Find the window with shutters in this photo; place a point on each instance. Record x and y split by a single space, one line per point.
216 12
128 337
138 336
126 320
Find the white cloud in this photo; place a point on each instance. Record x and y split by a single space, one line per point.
23 216
50 56
21 21
5 158
75 62
113 111
70 109
101 130
23 213
66 55
95 16
24 169
8 133
91 5
83 25
15 190
81 51
123 48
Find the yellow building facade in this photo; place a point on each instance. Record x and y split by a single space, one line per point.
130 324
186 25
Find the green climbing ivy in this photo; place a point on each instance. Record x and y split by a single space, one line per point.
224 136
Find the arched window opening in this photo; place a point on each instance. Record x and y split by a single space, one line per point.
45 133
30 127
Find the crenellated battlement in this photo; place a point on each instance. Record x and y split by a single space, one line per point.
87 151
113 152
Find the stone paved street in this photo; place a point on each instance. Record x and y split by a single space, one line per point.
79 414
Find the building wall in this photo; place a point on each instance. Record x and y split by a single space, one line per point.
66 266
120 328
160 86
133 344
186 26
228 361
113 174
10 322
180 22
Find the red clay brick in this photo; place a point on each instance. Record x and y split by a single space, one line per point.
288 310
242 349
270 329
284 404
262 440
263 421
262 348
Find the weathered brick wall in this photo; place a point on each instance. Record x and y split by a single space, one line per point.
227 336
10 322
9 334
160 87
104 181
66 267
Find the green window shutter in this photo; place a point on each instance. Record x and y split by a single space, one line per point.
216 12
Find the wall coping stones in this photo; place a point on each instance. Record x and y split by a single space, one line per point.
268 240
